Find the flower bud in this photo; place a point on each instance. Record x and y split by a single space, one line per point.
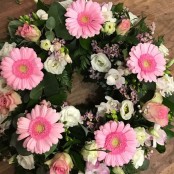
123 27
45 44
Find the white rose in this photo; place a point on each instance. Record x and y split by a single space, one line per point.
27 162
115 77
6 49
89 152
164 50
66 3
127 109
55 65
133 18
138 158
70 116
42 14
36 1
141 135
100 62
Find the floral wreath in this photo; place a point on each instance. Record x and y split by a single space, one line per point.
109 46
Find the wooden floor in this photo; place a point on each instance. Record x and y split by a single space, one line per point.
159 11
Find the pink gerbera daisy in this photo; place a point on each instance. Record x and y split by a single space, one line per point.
119 140
22 69
40 129
147 61
84 18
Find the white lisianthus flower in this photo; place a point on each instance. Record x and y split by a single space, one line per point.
55 65
66 3
133 18
89 152
107 13
115 77
108 107
6 49
70 116
102 109
100 62
36 1
138 158
45 44
163 49
141 135
165 85
158 136
42 14
27 162
127 109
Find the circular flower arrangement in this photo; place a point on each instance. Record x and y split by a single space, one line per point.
111 47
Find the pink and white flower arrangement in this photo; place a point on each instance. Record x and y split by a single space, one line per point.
40 129
22 69
84 19
108 46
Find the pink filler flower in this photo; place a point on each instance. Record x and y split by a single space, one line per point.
40 129
22 69
147 61
119 140
84 19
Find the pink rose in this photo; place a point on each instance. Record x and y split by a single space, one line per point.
123 27
29 32
61 164
8 102
98 168
156 112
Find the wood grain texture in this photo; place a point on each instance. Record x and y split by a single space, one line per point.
159 11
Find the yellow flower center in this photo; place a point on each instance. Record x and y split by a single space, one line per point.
115 142
40 128
23 68
146 64
85 19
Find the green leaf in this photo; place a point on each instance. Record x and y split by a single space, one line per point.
50 23
53 147
50 35
85 43
145 165
36 92
18 145
78 160
51 86
58 12
41 170
170 133
84 62
13 26
65 79
118 8
160 149
58 98
42 5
